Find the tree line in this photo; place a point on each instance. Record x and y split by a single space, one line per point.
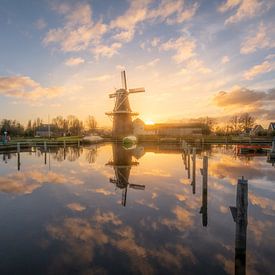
70 125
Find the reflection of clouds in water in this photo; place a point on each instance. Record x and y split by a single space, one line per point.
76 206
266 204
153 172
102 191
84 237
228 264
184 219
258 228
145 203
27 182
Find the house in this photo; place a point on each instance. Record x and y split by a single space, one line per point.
140 129
167 129
46 130
271 127
256 130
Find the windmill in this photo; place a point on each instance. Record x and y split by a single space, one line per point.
122 113
122 164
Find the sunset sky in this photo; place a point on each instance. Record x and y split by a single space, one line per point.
194 58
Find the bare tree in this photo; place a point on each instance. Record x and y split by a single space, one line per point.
246 121
91 123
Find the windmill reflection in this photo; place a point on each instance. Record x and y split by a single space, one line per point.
122 164
239 213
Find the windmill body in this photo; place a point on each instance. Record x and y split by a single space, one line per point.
122 113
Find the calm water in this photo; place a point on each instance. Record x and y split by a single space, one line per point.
107 210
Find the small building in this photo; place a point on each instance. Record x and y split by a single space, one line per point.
167 129
140 129
256 130
271 127
46 130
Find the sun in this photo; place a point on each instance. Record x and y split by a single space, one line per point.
149 122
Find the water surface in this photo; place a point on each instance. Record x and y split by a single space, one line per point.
108 210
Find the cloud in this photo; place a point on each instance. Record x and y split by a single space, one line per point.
183 46
184 15
260 40
106 51
151 63
40 24
170 12
225 59
244 9
78 31
27 182
262 68
194 66
238 96
229 4
155 41
240 99
76 206
74 61
25 88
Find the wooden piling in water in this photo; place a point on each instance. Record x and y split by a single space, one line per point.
194 170
239 213
204 172
188 161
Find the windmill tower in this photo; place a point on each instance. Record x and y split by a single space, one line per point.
122 113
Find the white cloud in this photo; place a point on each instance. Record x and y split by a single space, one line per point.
151 64
79 30
74 61
225 59
262 68
155 41
229 4
25 88
184 47
106 51
125 35
171 12
261 40
244 9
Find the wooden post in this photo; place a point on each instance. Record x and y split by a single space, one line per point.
239 213
64 148
78 143
45 146
194 171
188 161
18 161
18 147
204 172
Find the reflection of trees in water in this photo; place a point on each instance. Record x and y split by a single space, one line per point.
7 156
73 153
59 154
91 154
69 153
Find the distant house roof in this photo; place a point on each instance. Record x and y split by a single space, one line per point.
138 121
271 126
257 128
